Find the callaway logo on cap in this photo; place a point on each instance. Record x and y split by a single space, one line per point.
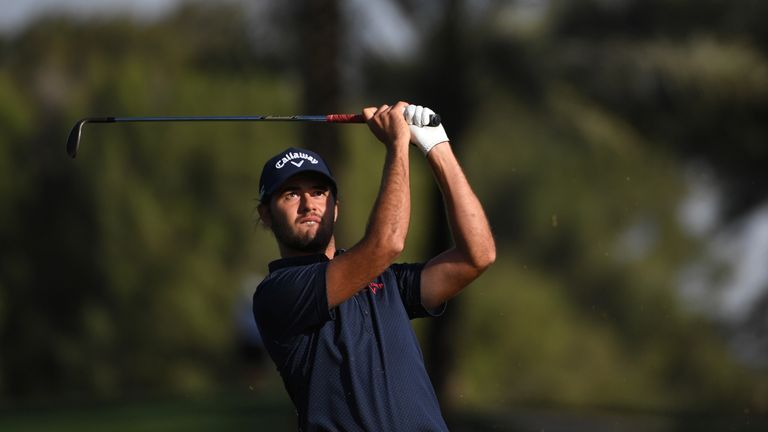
288 163
290 155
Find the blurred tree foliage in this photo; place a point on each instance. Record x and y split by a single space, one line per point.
119 270
692 76
585 115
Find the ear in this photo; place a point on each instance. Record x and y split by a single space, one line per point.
335 211
265 215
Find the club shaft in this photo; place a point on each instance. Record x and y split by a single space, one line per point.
330 118
73 142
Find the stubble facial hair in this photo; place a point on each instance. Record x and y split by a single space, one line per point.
305 243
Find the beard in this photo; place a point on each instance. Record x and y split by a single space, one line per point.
304 242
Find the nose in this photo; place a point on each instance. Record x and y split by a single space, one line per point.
307 203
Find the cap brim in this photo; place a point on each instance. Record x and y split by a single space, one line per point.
268 193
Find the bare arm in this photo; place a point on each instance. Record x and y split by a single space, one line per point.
387 228
448 273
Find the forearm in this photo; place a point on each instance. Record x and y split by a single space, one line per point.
387 228
384 237
388 223
469 225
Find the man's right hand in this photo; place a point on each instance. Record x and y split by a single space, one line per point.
388 124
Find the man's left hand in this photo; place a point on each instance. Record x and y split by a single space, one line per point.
423 135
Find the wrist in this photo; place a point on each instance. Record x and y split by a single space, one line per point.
399 143
439 151
427 149
442 146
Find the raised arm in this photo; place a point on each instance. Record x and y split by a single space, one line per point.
475 250
387 228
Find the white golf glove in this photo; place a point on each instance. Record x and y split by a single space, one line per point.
423 136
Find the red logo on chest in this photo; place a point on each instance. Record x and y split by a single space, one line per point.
373 286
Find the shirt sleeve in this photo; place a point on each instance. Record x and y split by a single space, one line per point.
408 278
292 300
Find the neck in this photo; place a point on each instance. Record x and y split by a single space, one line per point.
286 252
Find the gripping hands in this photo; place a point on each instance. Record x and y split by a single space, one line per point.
423 135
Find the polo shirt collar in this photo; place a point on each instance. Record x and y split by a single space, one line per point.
301 260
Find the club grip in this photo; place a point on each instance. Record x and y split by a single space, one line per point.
358 118
345 118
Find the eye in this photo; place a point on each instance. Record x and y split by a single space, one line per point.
289 195
319 192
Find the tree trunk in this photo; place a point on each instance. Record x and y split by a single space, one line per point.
319 51
447 89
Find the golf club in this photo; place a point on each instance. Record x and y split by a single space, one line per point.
73 142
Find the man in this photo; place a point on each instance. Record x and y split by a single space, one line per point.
336 323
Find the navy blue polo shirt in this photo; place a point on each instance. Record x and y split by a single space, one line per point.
358 366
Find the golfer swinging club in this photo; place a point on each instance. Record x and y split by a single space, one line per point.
336 323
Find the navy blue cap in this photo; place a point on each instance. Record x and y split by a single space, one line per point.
288 163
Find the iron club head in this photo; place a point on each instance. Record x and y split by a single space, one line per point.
73 142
